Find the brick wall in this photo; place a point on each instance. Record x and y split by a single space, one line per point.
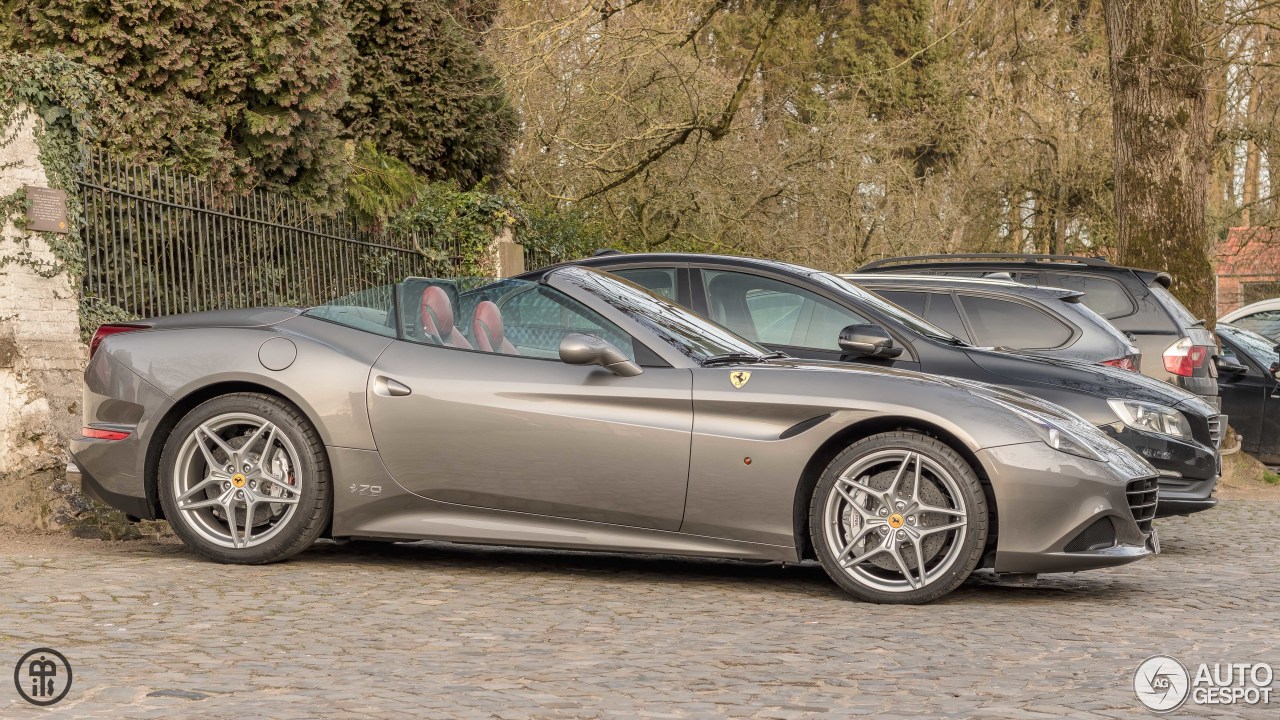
41 356
1248 255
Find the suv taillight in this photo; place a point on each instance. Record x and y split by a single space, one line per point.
1183 358
1128 362
105 331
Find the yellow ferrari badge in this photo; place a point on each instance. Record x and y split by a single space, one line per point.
739 377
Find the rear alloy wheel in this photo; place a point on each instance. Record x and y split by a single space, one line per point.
898 518
244 479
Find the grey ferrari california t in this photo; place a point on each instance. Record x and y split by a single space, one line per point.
577 410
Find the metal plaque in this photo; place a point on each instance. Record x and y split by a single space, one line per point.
46 209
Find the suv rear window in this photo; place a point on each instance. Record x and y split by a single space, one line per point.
1001 323
1104 295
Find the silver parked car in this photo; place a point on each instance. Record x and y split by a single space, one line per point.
1262 317
580 411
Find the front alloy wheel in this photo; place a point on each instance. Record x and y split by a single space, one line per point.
898 518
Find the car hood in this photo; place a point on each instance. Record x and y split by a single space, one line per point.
1092 379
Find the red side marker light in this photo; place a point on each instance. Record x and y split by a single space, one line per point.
100 434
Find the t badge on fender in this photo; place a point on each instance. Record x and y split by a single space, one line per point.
739 377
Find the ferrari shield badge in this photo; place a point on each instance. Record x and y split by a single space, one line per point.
739 377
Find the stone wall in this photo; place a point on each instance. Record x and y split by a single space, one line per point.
41 355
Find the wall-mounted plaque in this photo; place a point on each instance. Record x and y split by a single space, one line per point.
46 209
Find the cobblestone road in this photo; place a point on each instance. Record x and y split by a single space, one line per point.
451 632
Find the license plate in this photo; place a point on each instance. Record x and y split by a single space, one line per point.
1154 542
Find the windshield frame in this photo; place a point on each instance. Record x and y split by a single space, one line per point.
684 334
896 313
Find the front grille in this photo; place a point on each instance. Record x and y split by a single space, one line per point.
1216 424
1101 534
1143 496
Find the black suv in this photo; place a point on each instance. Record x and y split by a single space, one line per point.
812 314
1175 345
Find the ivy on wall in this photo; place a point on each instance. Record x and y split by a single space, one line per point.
68 99
466 221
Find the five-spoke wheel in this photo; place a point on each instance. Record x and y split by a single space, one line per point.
898 518
244 479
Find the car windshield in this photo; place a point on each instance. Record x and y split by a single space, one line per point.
912 322
692 335
1259 348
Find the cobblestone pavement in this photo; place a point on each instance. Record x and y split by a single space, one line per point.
433 630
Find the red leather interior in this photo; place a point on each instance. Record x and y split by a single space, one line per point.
489 331
437 318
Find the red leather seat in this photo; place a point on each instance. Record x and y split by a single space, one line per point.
489 332
437 318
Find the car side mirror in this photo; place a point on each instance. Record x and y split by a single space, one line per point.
1275 370
868 341
1230 365
583 349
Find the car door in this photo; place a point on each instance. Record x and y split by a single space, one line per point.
521 431
1248 402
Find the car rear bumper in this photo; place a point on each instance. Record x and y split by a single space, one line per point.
108 473
1073 514
134 506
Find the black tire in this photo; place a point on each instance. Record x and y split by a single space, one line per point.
296 531
960 550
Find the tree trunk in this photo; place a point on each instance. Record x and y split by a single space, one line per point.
1162 142
1251 154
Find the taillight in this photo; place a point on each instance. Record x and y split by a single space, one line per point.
100 434
1183 358
1124 363
105 331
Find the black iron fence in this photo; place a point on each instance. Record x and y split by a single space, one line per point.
159 242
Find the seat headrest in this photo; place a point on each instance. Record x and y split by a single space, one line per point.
489 332
437 311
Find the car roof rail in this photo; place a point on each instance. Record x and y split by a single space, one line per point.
606 251
1026 258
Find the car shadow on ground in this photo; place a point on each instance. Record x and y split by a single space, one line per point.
807 578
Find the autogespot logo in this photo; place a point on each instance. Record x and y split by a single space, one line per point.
1163 684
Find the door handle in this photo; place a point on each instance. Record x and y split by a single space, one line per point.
386 387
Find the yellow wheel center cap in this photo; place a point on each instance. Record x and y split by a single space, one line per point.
895 521
239 480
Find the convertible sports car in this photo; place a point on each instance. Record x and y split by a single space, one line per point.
580 411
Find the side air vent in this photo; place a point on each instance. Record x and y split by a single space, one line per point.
1101 534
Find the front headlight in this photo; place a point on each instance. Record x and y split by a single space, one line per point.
1150 417
1056 435
1059 438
